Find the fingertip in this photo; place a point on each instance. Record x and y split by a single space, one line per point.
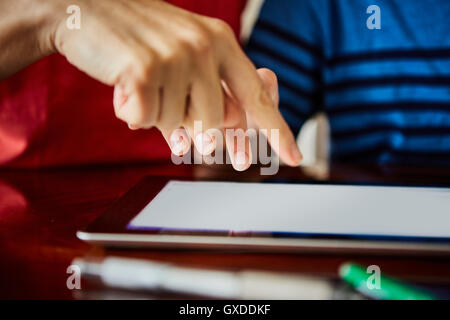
179 149
133 127
205 143
179 142
242 161
267 75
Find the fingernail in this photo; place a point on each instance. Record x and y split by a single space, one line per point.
205 143
241 161
178 144
178 148
133 127
296 154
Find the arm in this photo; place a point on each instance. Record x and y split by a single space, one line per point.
26 29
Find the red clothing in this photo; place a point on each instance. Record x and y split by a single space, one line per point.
52 114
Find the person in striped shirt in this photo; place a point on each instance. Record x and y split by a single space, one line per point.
379 69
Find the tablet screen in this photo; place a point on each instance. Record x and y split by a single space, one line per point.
286 210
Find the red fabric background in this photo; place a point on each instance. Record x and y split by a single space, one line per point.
51 114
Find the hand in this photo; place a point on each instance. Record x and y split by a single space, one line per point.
170 68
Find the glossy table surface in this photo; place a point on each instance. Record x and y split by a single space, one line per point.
41 210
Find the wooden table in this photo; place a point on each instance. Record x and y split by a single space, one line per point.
41 210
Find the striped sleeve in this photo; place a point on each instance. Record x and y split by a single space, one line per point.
286 39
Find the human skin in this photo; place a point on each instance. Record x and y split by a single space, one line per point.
169 67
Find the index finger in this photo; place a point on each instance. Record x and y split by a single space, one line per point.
248 89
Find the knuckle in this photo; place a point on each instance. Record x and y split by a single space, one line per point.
201 45
169 58
172 54
197 40
144 67
220 27
200 41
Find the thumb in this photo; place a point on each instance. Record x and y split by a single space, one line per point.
270 81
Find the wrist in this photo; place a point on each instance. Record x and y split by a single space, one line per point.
51 18
26 30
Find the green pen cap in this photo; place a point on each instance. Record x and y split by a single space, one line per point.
388 288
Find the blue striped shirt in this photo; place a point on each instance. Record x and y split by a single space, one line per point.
386 91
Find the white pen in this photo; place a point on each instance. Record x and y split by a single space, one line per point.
136 274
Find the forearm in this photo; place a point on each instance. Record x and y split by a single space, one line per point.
26 32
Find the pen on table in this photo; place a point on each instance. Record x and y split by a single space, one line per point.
135 274
390 289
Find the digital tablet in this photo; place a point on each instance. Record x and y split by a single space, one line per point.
277 217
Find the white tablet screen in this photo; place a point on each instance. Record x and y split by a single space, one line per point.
299 209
